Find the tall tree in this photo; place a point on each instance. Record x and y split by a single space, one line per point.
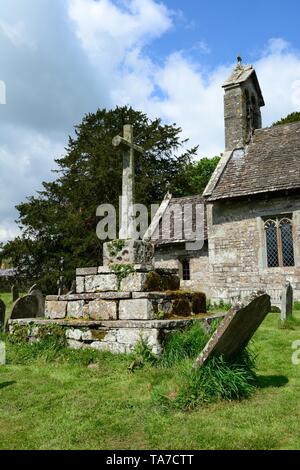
60 221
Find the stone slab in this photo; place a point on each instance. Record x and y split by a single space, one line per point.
137 309
75 309
237 329
127 252
86 271
134 282
94 296
160 324
102 310
56 310
80 285
101 283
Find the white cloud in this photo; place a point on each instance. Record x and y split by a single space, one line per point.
16 33
278 71
108 31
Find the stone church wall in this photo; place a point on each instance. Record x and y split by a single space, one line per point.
237 248
170 256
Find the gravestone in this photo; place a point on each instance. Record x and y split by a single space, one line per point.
15 293
32 288
2 353
25 307
287 300
236 330
2 313
41 302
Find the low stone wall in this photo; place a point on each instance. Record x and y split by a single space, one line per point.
117 337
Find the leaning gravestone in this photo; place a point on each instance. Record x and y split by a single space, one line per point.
287 299
2 313
25 307
41 302
15 293
236 330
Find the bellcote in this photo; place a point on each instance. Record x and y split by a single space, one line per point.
242 102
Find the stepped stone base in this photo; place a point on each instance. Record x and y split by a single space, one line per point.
125 305
117 337
115 307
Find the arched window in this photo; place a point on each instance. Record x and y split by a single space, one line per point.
279 242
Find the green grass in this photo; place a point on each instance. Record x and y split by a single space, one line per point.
63 404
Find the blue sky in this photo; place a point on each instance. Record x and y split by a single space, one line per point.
60 59
231 27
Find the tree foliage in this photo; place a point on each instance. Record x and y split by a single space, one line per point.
60 220
293 117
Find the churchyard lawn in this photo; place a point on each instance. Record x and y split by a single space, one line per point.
64 404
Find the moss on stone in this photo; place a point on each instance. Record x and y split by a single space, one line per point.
182 307
115 247
198 303
170 282
98 335
153 282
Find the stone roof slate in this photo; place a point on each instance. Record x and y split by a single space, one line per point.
187 235
270 163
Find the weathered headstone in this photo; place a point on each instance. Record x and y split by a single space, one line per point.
41 302
15 293
237 328
2 353
287 300
25 307
32 288
2 313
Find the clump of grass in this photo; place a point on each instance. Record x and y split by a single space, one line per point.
217 380
290 323
182 345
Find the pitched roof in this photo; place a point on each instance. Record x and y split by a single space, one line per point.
240 75
270 163
177 207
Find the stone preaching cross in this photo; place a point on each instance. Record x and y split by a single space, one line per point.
127 229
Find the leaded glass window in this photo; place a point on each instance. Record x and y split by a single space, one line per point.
186 272
279 242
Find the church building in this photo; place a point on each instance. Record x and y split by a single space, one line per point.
252 205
